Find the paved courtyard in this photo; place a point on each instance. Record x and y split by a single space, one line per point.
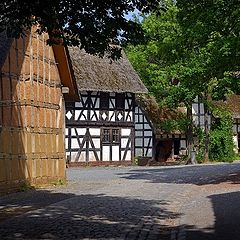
177 203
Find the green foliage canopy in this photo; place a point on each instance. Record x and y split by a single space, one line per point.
192 49
190 44
93 24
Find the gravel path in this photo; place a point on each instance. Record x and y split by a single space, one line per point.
174 203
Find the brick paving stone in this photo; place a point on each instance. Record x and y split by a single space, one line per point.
110 203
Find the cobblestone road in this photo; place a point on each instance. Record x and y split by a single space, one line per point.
122 203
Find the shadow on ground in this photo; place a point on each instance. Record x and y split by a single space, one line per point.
86 217
107 217
198 175
18 203
227 219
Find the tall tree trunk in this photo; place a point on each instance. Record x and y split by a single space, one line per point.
190 141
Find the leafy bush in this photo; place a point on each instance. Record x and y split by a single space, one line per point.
221 146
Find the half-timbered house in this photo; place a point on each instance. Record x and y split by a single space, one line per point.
166 145
105 126
232 104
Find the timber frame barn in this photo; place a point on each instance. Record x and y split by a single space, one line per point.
32 107
106 126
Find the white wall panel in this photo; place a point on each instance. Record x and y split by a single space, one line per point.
125 132
81 131
99 154
138 152
77 114
128 156
73 156
112 103
138 133
84 99
126 104
84 115
78 104
93 116
124 142
111 116
140 118
82 157
201 120
96 142
148 133
201 108
150 143
73 133
149 154
195 109
138 142
235 141
97 114
147 126
74 143
106 153
115 153
94 131
146 140
92 156
97 103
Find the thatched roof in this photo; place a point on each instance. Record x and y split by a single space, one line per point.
101 74
158 115
5 44
233 104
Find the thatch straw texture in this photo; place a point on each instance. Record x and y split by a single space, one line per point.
101 74
158 115
232 103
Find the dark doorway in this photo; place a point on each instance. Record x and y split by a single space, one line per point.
163 150
176 145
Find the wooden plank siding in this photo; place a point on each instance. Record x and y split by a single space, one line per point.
31 114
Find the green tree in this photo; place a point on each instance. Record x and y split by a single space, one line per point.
186 54
92 24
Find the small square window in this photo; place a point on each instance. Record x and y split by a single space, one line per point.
115 136
106 136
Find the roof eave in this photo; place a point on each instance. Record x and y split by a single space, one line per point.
64 69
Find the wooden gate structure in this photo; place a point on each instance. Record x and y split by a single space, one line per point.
32 110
